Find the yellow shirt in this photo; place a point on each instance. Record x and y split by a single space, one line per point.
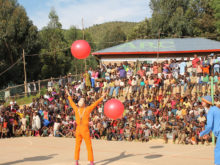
150 100
173 81
20 114
183 112
187 104
111 84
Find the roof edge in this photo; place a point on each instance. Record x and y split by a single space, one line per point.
162 52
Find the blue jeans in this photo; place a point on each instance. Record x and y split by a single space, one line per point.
93 82
116 91
111 91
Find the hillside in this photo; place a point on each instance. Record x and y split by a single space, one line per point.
98 31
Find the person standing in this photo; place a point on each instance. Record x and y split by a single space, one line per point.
82 114
195 63
213 124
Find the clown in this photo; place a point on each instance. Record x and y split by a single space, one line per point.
213 124
82 130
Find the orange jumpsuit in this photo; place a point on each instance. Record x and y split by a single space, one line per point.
82 129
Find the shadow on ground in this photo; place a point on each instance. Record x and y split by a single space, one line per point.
119 157
156 147
153 156
30 159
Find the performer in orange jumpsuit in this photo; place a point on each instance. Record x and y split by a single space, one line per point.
82 115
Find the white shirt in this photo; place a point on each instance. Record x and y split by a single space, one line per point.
133 82
56 126
122 83
24 121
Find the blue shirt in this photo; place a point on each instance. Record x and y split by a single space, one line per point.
213 122
174 111
182 67
150 113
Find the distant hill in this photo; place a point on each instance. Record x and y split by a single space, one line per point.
98 31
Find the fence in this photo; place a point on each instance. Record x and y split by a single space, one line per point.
34 87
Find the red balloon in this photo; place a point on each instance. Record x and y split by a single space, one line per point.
80 49
113 109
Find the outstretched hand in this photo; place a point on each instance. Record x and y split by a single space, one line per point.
67 92
105 94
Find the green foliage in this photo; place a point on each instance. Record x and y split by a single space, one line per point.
141 30
170 18
113 37
174 18
24 100
16 33
78 66
52 38
216 7
98 32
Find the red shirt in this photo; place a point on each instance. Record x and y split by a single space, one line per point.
5 125
195 62
160 98
141 73
156 81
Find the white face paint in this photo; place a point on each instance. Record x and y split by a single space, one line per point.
81 102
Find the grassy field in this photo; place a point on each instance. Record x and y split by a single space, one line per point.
23 100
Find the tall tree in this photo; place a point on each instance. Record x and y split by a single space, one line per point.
176 18
56 62
216 6
141 30
16 33
78 66
168 17
200 18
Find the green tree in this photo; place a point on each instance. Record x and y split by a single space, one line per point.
200 18
168 17
216 6
141 31
113 37
97 32
179 18
78 66
16 33
52 38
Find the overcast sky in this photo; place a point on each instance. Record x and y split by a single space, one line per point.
71 12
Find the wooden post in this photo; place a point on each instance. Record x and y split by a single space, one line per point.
83 39
158 45
25 75
212 95
39 86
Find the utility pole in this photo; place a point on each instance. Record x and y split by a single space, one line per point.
83 39
25 75
158 45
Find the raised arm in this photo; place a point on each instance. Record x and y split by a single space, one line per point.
72 104
209 125
95 104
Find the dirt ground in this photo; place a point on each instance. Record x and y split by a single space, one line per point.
60 151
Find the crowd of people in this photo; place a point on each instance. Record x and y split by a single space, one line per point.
161 100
